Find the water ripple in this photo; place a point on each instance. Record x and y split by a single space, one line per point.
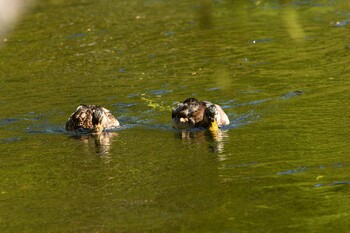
8 121
160 92
292 171
336 183
291 94
341 23
10 140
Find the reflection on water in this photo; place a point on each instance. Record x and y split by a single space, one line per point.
100 142
291 19
214 141
260 173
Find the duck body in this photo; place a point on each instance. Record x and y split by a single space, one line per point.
193 113
91 118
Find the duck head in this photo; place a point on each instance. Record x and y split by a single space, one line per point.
99 120
210 115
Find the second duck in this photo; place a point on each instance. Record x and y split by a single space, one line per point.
193 113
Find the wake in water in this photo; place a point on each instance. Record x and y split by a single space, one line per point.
35 123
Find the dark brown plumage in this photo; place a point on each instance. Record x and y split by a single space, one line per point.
193 113
91 118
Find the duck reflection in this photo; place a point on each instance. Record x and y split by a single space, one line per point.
213 139
102 142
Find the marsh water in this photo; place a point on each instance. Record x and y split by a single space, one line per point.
280 70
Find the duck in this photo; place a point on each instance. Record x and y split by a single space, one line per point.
194 113
91 119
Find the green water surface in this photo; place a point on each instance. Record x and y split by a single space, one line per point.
280 70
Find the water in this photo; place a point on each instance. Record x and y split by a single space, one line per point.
278 68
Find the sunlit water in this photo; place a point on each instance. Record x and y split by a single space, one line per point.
280 69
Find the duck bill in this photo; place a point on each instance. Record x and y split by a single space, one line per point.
213 127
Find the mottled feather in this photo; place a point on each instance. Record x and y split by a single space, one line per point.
91 118
191 113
